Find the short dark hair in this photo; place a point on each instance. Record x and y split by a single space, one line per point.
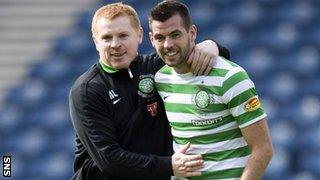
166 9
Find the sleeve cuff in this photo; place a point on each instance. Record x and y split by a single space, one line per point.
163 166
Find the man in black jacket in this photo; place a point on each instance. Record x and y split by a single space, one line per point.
121 128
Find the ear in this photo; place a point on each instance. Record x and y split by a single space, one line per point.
193 33
95 42
140 35
151 38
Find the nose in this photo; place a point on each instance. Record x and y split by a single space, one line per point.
168 43
115 43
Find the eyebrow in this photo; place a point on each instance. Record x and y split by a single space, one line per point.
175 31
172 32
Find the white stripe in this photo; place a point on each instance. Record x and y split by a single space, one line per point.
221 63
213 147
188 134
225 164
240 109
189 80
253 121
180 98
186 118
233 71
236 90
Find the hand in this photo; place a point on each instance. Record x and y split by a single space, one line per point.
185 165
202 57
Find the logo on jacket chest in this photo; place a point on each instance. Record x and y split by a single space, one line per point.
146 85
114 97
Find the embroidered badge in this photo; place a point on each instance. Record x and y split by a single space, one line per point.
252 104
202 99
152 108
146 85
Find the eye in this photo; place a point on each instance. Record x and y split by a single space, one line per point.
123 35
159 38
106 38
175 35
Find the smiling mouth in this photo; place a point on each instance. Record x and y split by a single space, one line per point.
171 53
118 54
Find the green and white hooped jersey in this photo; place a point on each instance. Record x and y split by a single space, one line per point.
208 111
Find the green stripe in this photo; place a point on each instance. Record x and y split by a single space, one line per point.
248 116
187 88
228 154
241 98
212 138
192 109
166 70
218 72
106 67
190 127
222 174
234 79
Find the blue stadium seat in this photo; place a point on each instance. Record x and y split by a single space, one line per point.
30 94
57 165
279 166
283 134
307 113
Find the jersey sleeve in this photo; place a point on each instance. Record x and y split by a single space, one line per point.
240 95
96 130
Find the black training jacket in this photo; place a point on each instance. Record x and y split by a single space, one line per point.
121 128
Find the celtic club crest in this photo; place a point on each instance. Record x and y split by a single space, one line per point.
146 85
202 99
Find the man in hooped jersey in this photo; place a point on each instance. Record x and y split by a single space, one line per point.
219 114
121 128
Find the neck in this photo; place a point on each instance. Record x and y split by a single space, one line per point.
107 68
182 68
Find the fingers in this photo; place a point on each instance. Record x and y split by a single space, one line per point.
184 148
205 66
186 164
194 61
191 56
195 157
193 165
194 173
208 69
201 61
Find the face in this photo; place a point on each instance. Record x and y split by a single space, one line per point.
117 41
172 41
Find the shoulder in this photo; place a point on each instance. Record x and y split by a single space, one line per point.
165 71
89 80
228 69
151 61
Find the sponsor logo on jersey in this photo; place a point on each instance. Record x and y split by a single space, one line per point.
206 122
146 85
252 104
